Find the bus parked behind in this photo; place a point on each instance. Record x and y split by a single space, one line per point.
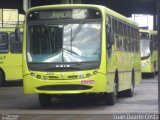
10 55
149 52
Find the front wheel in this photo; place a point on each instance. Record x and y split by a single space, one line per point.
111 98
44 100
129 92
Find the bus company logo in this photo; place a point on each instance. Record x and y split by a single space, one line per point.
63 66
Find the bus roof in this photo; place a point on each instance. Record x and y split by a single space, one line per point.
148 31
8 29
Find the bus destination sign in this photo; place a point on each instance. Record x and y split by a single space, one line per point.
63 14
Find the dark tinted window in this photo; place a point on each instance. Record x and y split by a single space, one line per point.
15 45
3 42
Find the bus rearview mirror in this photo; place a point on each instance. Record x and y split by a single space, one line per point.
17 34
111 37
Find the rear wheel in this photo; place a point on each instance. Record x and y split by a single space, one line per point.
44 100
2 78
130 92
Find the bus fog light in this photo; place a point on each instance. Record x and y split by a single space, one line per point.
81 76
38 76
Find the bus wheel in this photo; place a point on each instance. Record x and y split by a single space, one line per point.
111 98
2 79
44 100
130 92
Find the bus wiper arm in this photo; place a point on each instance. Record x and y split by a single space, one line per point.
77 31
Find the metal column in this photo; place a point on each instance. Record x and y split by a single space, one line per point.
158 28
26 4
2 17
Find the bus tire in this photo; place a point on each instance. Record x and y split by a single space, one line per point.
2 79
111 98
130 92
44 100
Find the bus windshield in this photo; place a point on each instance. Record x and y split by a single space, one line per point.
144 45
64 43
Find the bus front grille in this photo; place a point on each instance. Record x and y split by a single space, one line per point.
64 87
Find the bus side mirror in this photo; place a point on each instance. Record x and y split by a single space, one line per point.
151 46
17 34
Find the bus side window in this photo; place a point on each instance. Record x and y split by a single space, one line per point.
137 41
121 34
15 45
118 40
4 43
115 31
109 35
125 36
132 39
129 38
108 31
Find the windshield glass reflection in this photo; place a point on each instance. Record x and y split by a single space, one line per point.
145 47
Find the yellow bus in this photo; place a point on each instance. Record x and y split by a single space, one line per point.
80 49
10 55
149 52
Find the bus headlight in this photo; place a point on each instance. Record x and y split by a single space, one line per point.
32 74
95 72
45 78
81 76
38 76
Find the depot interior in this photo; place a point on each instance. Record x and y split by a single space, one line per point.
144 12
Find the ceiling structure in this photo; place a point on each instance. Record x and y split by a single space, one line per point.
125 7
12 4
128 7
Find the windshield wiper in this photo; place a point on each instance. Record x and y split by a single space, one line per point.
75 34
77 31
